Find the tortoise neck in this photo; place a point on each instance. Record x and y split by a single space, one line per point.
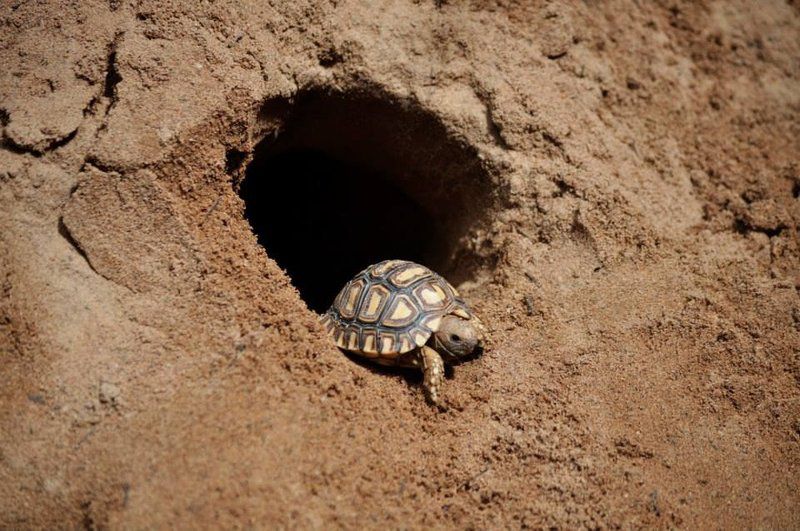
439 347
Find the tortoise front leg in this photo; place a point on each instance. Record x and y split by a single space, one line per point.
433 371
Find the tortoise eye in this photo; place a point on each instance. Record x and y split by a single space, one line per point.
454 337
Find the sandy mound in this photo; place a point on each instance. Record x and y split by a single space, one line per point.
615 191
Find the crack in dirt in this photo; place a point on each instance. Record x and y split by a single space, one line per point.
93 162
9 144
65 233
110 82
495 130
91 107
113 77
744 228
552 139
63 230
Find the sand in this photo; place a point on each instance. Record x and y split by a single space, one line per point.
613 187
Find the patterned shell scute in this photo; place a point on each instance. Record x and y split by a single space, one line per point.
391 308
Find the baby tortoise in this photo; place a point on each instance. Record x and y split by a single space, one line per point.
403 314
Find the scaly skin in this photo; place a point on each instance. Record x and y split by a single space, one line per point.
433 371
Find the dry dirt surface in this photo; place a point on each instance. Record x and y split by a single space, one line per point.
613 186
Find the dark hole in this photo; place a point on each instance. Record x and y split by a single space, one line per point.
113 76
234 159
330 219
329 58
342 181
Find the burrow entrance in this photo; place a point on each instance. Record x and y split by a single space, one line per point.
342 181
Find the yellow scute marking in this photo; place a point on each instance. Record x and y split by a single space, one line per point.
328 323
432 295
373 302
386 345
352 296
352 341
433 322
461 313
381 269
420 338
369 344
402 310
405 345
347 306
376 298
408 275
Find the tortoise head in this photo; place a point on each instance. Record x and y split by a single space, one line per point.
459 338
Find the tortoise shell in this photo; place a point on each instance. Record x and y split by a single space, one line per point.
391 308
